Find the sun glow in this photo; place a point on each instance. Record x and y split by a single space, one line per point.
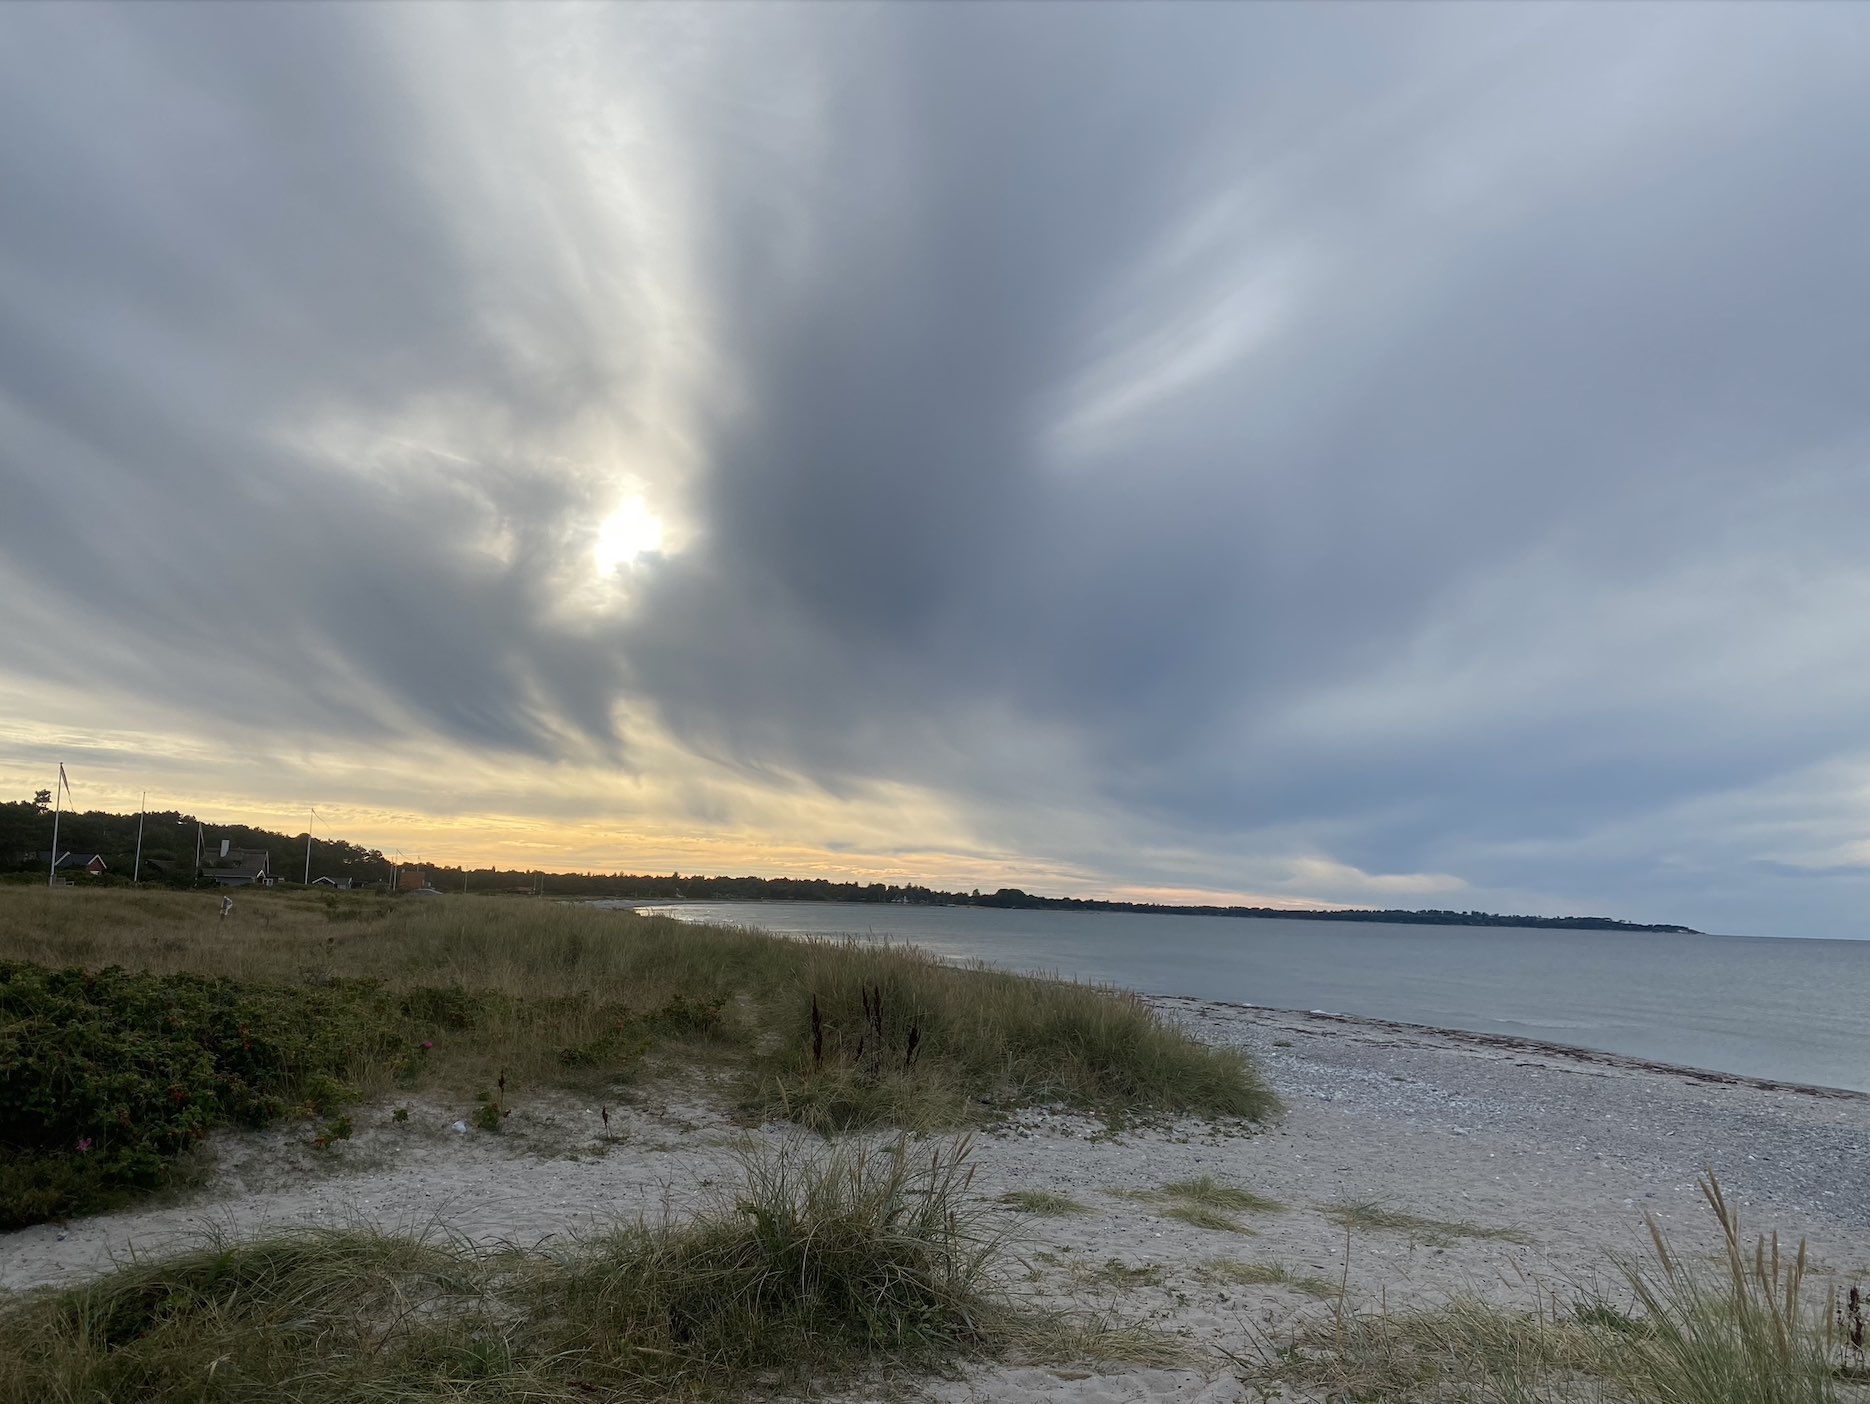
631 531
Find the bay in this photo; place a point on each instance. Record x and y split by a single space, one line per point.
1793 1010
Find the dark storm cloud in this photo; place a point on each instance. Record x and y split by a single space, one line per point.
1426 440
1577 278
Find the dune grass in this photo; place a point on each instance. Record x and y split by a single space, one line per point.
1205 1203
1202 1217
1043 1203
1747 1334
1115 1275
1250 1274
1363 1215
813 1268
1211 1193
457 995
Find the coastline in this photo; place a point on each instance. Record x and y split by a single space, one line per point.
1566 1147
1774 1023
1575 1052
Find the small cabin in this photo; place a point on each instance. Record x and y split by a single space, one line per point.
74 863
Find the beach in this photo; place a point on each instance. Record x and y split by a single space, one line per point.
1510 1170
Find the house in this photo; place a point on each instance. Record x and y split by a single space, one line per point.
241 867
74 863
336 884
411 879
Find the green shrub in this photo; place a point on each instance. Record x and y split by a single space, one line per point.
619 1047
441 1008
108 1078
682 1015
487 1115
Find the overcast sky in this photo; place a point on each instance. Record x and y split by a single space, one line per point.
1391 455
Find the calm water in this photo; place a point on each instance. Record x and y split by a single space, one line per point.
1792 1009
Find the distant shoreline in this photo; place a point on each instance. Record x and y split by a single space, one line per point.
1014 900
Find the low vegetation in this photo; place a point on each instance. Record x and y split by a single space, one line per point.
108 1078
1205 1203
1248 1274
1115 1275
1211 1193
1201 1217
811 1269
1367 1215
1745 1334
1043 1202
133 1022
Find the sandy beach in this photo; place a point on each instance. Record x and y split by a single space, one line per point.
1523 1166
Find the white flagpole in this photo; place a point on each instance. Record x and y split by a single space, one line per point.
51 875
136 868
308 848
59 791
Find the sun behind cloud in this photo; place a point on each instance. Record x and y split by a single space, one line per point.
629 532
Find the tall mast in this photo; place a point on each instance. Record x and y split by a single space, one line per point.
51 874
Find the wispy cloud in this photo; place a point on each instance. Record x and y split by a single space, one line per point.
1352 453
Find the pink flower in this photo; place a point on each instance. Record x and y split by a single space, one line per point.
85 1144
427 1044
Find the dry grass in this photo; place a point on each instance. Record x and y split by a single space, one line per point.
1747 1335
1043 1203
1369 1215
1202 1217
1211 1193
1115 1275
1203 1202
517 994
1466 1351
1247 1274
530 979
812 1269
1750 1335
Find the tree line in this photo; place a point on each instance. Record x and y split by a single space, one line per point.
169 837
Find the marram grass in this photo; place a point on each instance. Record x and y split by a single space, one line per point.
455 995
814 1268
1748 1333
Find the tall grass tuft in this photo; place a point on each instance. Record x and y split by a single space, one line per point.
1465 1350
815 1267
316 1315
815 1264
878 1034
1748 1337
1745 1335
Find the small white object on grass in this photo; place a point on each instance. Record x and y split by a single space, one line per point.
460 1126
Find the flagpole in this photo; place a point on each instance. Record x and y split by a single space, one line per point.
136 868
308 847
51 875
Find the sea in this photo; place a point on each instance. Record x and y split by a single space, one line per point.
1786 1009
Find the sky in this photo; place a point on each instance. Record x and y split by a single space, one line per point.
1326 454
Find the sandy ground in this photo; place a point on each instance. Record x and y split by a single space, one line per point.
1479 1137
